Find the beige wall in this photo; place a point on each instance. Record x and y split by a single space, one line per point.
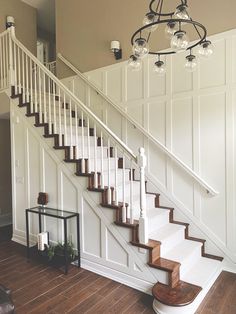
85 28
25 19
5 168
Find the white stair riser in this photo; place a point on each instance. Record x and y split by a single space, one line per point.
157 222
189 261
172 241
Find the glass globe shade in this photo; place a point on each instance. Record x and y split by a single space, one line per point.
205 49
191 63
179 41
159 68
170 29
134 63
140 48
181 12
149 19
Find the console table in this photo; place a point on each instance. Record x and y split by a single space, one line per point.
57 214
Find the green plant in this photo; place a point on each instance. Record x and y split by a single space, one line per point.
59 250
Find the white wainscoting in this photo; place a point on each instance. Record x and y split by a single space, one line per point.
36 167
193 115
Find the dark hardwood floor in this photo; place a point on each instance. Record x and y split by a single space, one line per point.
42 289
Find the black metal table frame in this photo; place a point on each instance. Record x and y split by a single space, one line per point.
40 214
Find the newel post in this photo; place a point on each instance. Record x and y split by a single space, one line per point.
143 222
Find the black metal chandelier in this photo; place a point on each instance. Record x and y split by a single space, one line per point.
175 23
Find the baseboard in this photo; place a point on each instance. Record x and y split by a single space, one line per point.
5 220
105 271
117 276
229 266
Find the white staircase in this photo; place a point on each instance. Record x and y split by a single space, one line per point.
117 173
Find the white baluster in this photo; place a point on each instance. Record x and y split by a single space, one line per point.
82 132
49 108
31 87
18 70
35 88
88 133
131 193
124 214
15 67
59 112
71 131
95 158
76 125
27 78
65 125
109 198
143 222
45 119
40 96
102 163
11 66
76 133
116 178
23 76
54 109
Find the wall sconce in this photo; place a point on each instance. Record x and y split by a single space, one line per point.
115 48
10 21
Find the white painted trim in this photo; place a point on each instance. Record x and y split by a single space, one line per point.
123 278
148 135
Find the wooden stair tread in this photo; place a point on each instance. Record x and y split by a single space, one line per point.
180 223
182 294
196 239
218 258
150 245
165 264
127 224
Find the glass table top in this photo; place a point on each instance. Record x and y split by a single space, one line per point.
53 212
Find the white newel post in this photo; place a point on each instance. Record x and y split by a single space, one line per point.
143 223
11 66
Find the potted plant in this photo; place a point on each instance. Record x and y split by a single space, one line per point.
56 253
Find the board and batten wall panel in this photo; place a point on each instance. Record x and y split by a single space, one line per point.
192 114
36 167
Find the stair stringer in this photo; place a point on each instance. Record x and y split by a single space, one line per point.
141 279
197 229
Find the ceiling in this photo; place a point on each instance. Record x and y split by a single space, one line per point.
46 14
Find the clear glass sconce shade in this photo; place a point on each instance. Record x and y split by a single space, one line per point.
181 12
206 49
134 63
191 63
149 19
159 68
179 41
170 30
140 48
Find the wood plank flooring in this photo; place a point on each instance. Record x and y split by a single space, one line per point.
41 289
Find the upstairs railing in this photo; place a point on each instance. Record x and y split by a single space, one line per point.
98 151
138 126
51 66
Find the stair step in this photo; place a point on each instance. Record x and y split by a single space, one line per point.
186 253
202 271
157 218
165 264
170 235
183 294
